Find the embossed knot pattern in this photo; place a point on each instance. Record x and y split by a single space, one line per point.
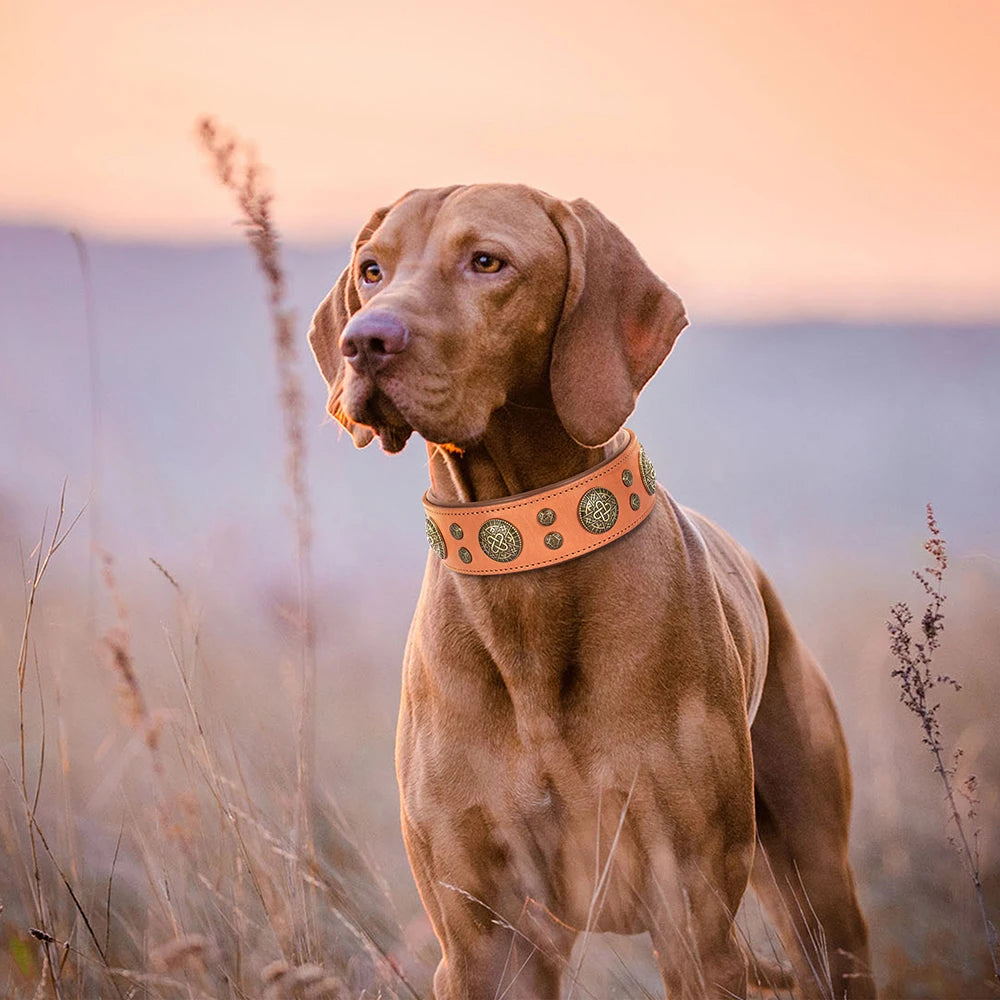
500 540
436 540
647 472
598 510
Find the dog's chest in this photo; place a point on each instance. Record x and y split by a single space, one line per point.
543 745
529 820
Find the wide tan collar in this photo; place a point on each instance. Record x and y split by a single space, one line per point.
547 526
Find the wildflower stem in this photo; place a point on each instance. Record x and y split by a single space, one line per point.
917 681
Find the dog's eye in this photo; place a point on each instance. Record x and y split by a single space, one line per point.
371 273
486 263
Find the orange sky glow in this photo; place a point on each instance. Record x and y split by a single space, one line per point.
768 158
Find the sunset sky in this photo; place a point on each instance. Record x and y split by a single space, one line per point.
774 157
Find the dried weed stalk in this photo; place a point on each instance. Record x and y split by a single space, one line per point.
917 681
117 646
96 417
238 169
43 902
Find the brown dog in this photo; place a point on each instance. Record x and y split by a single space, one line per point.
575 750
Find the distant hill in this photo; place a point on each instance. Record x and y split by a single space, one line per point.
803 438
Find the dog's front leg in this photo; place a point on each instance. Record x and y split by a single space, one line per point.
696 818
494 942
694 902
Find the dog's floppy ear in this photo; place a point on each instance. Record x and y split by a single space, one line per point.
328 323
619 321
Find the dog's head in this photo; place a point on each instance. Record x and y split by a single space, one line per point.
459 300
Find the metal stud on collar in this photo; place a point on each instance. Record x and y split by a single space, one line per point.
500 540
647 472
598 510
436 539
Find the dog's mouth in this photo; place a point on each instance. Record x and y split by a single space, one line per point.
394 407
365 402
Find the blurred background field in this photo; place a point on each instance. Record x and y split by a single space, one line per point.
815 442
819 185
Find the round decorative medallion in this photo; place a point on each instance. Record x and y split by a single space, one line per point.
546 516
465 555
634 501
598 510
456 531
627 477
500 540
436 539
553 540
647 472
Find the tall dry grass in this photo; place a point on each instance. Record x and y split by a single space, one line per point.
238 170
200 886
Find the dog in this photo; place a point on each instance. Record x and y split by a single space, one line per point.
607 721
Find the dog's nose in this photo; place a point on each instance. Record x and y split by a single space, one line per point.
370 339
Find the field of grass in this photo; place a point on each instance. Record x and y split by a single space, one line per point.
155 847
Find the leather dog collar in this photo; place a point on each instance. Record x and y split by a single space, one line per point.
546 526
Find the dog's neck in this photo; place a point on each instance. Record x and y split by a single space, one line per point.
524 448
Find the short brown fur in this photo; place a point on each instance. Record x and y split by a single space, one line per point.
574 748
